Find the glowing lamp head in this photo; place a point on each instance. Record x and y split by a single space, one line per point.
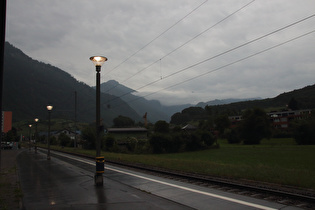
49 107
98 60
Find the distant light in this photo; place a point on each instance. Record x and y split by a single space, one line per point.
30 126
98 60
49 107
36 119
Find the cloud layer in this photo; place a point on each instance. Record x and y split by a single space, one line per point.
157 41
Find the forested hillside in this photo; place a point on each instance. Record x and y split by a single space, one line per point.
303 98
29 85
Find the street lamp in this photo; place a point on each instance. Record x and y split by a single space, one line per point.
29 140
98 178
36 120
49 108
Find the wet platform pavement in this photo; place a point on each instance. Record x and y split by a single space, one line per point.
56 184
66 182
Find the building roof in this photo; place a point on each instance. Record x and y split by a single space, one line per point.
189 127
116 130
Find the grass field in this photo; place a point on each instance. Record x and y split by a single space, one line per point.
278 161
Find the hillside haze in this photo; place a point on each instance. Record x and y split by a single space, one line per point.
154 109
30 85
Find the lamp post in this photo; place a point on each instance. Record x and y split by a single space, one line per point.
36 120
29 139
98 178
49 108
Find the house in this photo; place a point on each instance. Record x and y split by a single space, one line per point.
70 133
189 127
280 120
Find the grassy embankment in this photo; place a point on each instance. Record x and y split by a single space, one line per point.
278 161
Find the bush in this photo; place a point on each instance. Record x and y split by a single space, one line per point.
53 141
193 142
141 146
109 142
161 126
159 143
304 133
232 136
89 138
64 139
177 143
255 126
206 137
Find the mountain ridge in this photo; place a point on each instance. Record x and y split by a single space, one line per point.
29 85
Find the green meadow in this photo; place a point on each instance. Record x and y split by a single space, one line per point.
278 161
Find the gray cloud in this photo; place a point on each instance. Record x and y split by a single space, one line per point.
66 33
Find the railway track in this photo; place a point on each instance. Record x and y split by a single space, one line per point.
286 195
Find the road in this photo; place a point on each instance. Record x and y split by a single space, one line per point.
66 182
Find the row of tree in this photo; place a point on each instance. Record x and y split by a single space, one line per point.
165 138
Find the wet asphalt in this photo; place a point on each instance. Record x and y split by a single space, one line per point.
56 184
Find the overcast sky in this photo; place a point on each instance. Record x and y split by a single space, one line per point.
176 51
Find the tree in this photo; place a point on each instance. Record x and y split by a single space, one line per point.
161 126
122 121
160 143
109 142
304 133
89 138
222 122
11 135
293 104
233 136
255 126
64 139
179 118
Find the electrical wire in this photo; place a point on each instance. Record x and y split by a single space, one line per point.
220 54
224 66
185 43
169 28
192 39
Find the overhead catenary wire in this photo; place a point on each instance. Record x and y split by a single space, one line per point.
185 43
220 54
169 28
224 66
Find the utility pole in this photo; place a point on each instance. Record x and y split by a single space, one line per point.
75 119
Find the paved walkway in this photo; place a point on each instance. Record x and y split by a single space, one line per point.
56 184
9 183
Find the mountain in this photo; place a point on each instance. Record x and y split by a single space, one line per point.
29 85
224 101
154 109
305 98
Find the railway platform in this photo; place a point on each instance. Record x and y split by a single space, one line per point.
58 185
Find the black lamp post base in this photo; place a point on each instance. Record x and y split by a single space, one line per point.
98 179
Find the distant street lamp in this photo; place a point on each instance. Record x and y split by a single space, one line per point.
36 121
49 108
29 140
98 179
